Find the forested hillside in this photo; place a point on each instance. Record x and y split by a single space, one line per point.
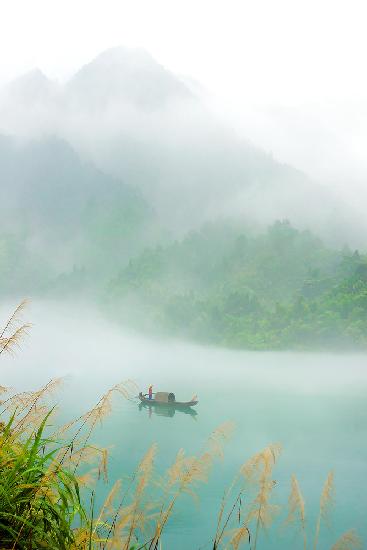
108 178
282 289
67 229
64 224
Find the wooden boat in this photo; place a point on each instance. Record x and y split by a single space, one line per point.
167 399
167 411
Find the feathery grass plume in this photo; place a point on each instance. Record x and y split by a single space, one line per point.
99 411
11 343
348 541
261 462
14 320
29 407
130 520
254 473
27 411
239 536
107 509
218 535
30 399
184 473
326 501
14 330
258 470
88 479
218 437
96 414
4 389
296 509
91 455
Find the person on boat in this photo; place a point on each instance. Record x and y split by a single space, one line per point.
150 392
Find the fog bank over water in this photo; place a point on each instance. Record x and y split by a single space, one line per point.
73 341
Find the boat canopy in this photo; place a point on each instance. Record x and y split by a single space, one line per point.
165 397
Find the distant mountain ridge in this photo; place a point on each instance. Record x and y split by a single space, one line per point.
141 124
116 75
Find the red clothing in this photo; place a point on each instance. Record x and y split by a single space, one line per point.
150 392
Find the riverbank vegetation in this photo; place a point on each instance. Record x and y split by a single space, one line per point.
225 284
283 289
48 475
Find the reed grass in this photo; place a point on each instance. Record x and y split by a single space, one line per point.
37 508
252 504
297 510
297 516
348 541
14 330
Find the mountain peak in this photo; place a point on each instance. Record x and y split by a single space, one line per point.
33 77
123 75
33 86
122 55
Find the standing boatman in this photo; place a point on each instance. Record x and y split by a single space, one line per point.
150 392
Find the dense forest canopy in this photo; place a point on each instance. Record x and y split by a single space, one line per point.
278 290
223 284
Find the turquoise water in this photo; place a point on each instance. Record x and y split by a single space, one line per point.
313 404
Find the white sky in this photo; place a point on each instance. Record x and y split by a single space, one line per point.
282 69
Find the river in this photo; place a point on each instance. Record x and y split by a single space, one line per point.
313 404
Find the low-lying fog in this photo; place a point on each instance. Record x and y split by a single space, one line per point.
73 341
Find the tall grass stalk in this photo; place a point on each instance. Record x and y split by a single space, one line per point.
326 501
297 513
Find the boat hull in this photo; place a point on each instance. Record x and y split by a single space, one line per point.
171 404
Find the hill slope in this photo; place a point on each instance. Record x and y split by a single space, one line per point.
280 290
139 122
62 214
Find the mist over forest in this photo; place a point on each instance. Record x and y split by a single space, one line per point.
122 187
183 275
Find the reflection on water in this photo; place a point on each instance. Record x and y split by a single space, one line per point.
166 410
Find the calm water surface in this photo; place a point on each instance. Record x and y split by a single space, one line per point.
313 404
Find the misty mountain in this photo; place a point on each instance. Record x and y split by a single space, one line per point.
126 76
31 105
63 212
31 89
141 124
105 182
48 183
